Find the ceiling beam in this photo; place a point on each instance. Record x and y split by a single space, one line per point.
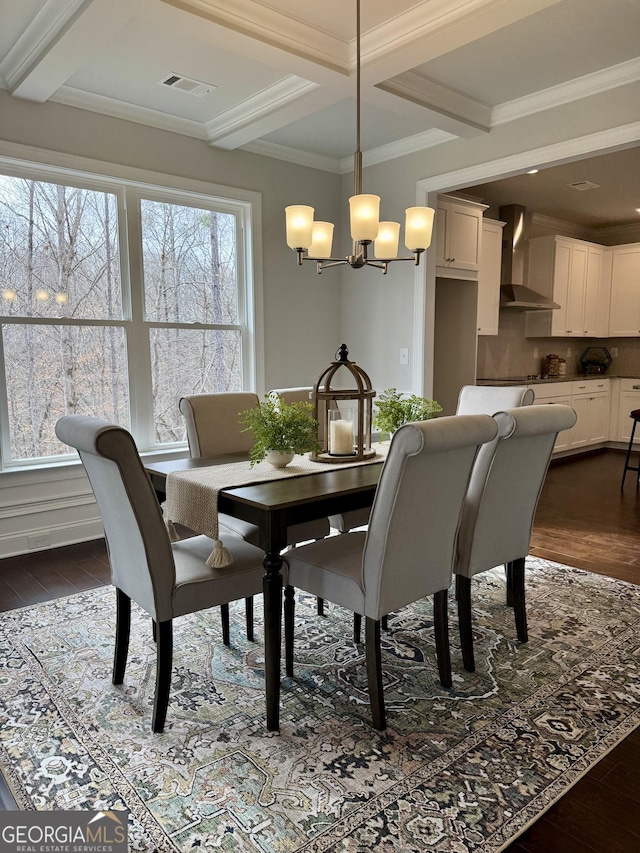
62 36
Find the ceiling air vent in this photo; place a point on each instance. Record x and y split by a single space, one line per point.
187 84
584 185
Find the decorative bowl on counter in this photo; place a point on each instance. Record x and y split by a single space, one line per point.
595 360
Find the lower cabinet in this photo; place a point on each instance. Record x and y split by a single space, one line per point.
629 400
591 401
556 392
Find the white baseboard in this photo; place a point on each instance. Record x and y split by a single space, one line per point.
43 539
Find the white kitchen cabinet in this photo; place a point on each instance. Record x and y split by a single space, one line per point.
624 318
577 272
458 238
590 399
628 402
554 393
489 277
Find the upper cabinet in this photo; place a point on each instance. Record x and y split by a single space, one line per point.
625 291
489 277
458 238
580 283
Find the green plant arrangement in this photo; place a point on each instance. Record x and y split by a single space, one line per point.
392 410
288 428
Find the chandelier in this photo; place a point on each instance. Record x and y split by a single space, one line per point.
311 240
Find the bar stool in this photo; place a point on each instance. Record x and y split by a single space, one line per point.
635 415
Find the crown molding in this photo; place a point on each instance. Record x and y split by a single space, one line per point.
421 90
620 232
33 42
561 226
409 145
80 99
556 96
258 21
293 155
286 91
548 155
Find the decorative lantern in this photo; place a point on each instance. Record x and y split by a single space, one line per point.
343 413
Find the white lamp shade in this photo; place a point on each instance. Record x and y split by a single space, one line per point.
386 245
365 216
322 239
299 218
418 228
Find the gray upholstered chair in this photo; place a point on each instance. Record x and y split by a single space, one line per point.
213 429
407 552
500 505
166 580
488 399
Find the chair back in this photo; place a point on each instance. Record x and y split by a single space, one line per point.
410 543
301 394
140 552
503 494
213 426
489 399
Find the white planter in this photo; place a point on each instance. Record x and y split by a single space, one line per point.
279 459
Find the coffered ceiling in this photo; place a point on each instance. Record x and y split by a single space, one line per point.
277 76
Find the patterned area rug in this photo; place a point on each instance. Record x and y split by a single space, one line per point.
457 770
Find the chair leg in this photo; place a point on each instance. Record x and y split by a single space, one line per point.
357 627
384 622
441 630
374 672
509 575
248 609
123 624
154 630
224 616
164 662
627 467
463 594
519 604
320 604
289 614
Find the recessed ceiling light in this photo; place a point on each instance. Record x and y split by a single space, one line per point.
637 209
532 172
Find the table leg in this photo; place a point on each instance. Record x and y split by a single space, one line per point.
272 588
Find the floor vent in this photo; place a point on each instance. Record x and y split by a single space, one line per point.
187 84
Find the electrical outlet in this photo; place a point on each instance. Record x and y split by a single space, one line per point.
535 352
568 352
614 352
39 540
404 355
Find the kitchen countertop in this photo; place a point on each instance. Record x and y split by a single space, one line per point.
537 380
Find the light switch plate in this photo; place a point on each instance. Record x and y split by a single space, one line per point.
404 355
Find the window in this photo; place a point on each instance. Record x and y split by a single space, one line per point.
116 300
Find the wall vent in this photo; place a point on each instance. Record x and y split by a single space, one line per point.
187 84
584 185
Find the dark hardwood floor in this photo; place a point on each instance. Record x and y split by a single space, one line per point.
583 520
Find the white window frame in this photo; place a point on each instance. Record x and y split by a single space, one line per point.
245 205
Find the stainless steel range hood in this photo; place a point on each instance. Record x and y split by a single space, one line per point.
514 294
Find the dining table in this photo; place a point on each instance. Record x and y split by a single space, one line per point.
273 506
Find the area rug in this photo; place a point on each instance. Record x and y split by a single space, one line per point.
456 770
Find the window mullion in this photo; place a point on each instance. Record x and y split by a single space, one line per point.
138 344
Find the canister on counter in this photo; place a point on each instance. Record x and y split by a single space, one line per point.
552 365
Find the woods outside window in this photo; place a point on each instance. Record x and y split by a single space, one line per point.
115 301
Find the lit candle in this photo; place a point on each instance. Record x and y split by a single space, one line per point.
341 437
